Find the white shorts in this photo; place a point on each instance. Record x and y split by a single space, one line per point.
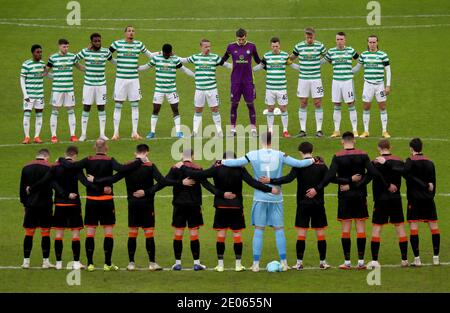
373 89
342 90
276 96
33 103
66 99
95 94
172 97
127 89
310 88
210 96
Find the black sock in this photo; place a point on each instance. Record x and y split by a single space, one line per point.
27 246
58 249
45 245
76 249
238 250
375 248
108 245
177 248
346 247
361 244
404 248
150 246
414 239
300 247
220 248
195 249
131 248
322 247
90 246
436 239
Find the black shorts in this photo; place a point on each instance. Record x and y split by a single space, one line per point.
67 217
99 212
388 211
352 208
187 215
313 213
226 218
38 217
421 210
141 214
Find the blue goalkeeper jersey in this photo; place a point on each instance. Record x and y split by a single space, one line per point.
269 163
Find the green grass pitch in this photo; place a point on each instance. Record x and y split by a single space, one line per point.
414 34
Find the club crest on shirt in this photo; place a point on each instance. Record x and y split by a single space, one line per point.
248 51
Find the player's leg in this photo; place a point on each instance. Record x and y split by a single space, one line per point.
84 120
116 119
195 248
237 247
56 105
375 245
120 95
149 234
282 99
317 95
134 96
361 242
270 100
177 247
69 104
27 108
303 92
414 241
236 92
336 96
90 246
276 218
319 223
322 248
59 247
300 247
158 99
249 93
346 243
199 103
108 246
131 245
380 95
174 101
220 249
402 242
436 240
100 99
259 220
27 246
76 247
348 95
45 245
213 101
38 123
367 97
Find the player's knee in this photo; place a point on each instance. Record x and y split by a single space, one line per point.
101 108
38 110
29 232
214 109
303 102
270 108
45 232
283 108
86 108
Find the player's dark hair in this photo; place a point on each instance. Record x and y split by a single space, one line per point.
167 48
34 47
229 155
204 40
384 144
63 41
341 34
142 148
241 32
416 144
95 35
348 136
266 138
305 147
43 152
274 39
126 28
71 151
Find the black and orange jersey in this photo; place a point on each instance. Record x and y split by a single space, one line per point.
419 171
390 175
31 174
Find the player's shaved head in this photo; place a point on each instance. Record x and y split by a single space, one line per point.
101 146
43 154
384 144
305 147
71 151
266 138
416 145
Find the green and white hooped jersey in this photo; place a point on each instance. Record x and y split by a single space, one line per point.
166 72
127 57
374 63
34 81
276 70
62 66
205 70
95 63
309 59
342 62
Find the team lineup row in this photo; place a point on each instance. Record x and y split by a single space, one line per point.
311 53
351 169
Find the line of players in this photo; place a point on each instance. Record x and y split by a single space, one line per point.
310 52
350 168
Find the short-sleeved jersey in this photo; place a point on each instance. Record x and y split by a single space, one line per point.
127 57
205 70
166 72
309 58
342 62
34 81
95 62
276 70
62 66
374 63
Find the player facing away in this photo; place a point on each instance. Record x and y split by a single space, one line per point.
420 195
206 85
309 53
127 85
166 66
274 62
229 206
242 52
340 57
375 63
37 208
32 85
62 64
310 211
387 206
267 208
348 169
94 88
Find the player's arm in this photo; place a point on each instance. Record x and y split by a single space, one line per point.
196 174
23 188
356 68
236 162
78 164
256 56
45 180
225 56
295 66
125 168
185 70
261 66
212 189
371 172
78 65
169 180
172 176
329 176
24 89
295 162
285 179
59 190
110 180
253 182
387 68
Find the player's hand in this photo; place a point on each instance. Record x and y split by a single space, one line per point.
229 195
218 163
107 190
356 178
344 188
27 190
179 164
27 99
188 182
392 188
90 178
311 193
380 160
139 193
276 191
264 179
318 159
387 90
72 195
430 187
